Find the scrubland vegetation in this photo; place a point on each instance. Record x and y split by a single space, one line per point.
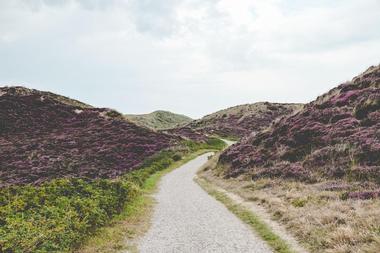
315 214
316 171
42 138
335 137
241 120
57 215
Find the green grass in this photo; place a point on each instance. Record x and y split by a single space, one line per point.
59 215
159 120
212 143
151 183
273 240
112 237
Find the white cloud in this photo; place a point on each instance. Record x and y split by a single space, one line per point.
191 56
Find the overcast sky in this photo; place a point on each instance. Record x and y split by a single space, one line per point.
187 56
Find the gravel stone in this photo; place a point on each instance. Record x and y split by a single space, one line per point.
187 219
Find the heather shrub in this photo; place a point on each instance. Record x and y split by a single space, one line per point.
58 215
2 125
365 173
56 139
363 195
283 170
361 110
239 121
335 136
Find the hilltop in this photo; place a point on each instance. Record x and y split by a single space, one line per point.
242 120
22 91
159 120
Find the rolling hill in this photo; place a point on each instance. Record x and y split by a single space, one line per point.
159 120
67 168
242 120
335 136
45 136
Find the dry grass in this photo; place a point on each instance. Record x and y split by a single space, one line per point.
318 218
122 233
266 233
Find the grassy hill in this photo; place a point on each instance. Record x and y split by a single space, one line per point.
159 120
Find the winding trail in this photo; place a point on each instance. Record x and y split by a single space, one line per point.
187 219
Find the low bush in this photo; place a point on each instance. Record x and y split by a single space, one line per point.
210 143
370 105
58 215
299 202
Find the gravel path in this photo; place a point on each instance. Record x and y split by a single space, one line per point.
187 219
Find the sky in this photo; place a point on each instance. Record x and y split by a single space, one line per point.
187 56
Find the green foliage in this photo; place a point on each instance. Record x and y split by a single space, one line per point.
299 202
177 157
159 120
344 196
114 114
58 215
215 143
150 166
211 143
361 110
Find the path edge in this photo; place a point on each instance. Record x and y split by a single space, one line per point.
246 213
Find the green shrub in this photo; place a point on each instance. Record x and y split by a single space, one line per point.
114 114
177 157
344 196
60 214
299 202
363 109
210 143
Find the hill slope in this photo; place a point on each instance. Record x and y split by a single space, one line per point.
45 136
159 120
336 136
242 120
22 91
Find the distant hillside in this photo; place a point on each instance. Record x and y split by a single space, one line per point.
336 136
188 133
242 120
159 120
22 91
45 136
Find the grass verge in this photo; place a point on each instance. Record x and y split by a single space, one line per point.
133 222
273 240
